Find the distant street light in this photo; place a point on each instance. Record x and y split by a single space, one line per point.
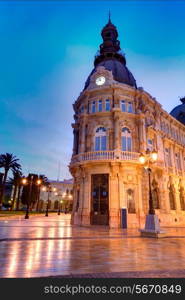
49 189
59 202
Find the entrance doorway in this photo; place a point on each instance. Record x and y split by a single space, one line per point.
100 199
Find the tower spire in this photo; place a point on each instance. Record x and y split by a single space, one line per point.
109 17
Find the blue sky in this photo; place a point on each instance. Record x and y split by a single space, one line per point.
47 51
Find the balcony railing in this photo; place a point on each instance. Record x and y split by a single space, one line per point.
106 155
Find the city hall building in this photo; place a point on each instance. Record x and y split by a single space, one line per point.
116 121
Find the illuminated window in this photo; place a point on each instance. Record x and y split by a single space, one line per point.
123 106
126 139
93 109
100 139
130 107
107 105
100 105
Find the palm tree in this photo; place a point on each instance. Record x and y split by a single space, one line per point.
8 161
16 181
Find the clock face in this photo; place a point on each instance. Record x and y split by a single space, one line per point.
100 80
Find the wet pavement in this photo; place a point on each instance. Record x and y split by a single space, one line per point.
50 246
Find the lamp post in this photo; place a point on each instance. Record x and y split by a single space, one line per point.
48 189
152 226
26 181
39 182
59 203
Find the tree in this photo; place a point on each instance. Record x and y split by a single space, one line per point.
31 191
16 182
8 161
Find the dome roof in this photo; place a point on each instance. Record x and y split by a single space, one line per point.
179 112
119 71
111 58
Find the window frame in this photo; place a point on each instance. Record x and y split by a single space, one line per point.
126 140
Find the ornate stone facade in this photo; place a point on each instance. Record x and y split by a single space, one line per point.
115 122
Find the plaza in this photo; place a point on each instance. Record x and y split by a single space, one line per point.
44 247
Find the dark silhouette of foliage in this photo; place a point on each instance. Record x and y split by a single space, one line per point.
8 161
16 182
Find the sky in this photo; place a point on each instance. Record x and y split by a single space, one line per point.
47 50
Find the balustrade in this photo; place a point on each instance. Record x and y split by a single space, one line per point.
106 155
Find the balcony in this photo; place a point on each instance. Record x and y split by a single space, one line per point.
106 156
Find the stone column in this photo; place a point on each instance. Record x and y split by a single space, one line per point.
165 195
182 162
86 199
139 201
82 137
173 158
111 139
114 206
116 129
116 134
121 190
142 134
81 200
177 199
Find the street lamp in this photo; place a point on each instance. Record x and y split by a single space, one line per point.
59 203
38 182
26 181
48 189
152 226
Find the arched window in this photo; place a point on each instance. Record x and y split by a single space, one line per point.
131 202
100 139
107 105
126 139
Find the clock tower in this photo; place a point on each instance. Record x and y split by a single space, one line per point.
97 151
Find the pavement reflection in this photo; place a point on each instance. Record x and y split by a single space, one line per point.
50 247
